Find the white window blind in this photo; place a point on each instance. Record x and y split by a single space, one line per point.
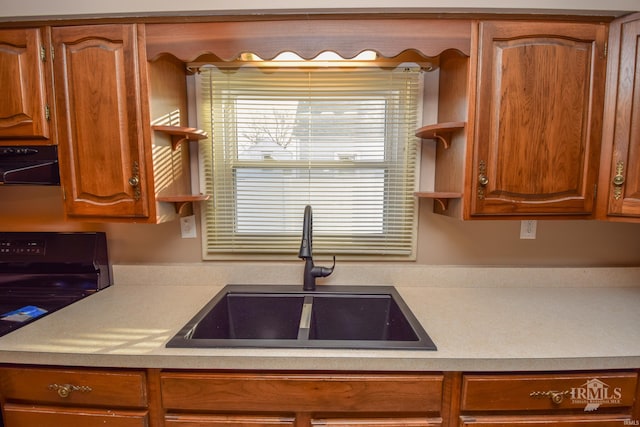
341 140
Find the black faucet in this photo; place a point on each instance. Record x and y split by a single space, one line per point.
306 253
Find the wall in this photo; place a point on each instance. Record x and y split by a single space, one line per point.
442 240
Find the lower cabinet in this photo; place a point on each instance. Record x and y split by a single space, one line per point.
38 396
73 397
562 399
547 420
283 399
32 416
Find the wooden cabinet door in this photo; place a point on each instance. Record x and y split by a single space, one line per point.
26 85
211 420
101 107
547 420
537 118
33 415
620 170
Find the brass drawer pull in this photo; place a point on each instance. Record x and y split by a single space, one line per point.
64 390
556 396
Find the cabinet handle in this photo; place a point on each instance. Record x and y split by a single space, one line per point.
64 390
483 180
557 397
618 180
134 181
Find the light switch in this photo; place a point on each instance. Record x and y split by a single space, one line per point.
528 229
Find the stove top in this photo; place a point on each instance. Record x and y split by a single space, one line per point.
41 273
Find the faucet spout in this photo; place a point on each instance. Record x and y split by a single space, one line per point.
311 271
307 235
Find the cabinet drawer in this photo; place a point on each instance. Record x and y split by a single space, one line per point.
377 422
30 416
192 420
302 393
74 387
586 391
546 420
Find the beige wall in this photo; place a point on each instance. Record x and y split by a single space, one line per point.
442 240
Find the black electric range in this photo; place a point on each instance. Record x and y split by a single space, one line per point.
43 272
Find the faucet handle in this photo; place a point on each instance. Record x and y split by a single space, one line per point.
326 271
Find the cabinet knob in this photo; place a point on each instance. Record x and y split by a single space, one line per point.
483 180
557 397
64 390
618 180
134 181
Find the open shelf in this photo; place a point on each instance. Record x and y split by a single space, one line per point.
180 134
440 132
442 197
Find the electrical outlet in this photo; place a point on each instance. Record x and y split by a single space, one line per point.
188 227
528 229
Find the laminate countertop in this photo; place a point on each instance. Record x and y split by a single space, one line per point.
475 329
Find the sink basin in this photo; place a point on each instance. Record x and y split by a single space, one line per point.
373 317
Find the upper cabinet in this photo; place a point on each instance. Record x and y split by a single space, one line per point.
620 167
121 123
538 127
25 73
103 121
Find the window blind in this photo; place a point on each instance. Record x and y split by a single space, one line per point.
341 140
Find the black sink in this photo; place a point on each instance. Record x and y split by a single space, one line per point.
371 317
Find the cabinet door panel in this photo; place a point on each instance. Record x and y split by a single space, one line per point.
31 416
528 392
98 97
622 121
301 392
81 386
537 137
24 85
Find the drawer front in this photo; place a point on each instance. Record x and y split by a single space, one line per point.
377 422
558 421
30 416
586 391
74 387
301 393
189 420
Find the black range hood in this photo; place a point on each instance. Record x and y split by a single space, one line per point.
29 165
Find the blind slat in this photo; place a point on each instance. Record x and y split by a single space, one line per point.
340 140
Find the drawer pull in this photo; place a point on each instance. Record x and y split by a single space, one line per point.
64 390
556 396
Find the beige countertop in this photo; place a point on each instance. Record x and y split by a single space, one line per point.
482 328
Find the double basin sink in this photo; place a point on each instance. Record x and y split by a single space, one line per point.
348 317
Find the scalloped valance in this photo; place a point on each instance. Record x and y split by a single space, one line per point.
308 38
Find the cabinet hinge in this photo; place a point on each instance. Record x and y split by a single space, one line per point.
47 112
43 54
53 53
606 49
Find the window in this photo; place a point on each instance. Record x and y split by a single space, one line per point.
339 139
